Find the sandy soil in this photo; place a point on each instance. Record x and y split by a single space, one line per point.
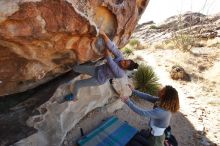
199 98
198 121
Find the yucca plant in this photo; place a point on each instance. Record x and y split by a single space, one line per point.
146 80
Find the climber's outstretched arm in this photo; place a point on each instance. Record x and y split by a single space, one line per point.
111 46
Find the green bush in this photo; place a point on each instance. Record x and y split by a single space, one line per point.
127 51
183 41
154 27
146 80
183 36
134 42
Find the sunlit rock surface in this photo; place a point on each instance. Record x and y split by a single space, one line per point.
41 39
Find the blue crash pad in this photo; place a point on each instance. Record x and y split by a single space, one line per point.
112 132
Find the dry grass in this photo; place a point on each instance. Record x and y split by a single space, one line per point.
134 44
127 51
182 42
214 103
154 27
216 45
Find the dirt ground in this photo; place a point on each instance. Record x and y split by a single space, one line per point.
198 121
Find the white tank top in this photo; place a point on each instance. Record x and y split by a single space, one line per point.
156 131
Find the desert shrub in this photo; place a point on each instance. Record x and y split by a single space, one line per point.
214 103
158 46
127 51
166 44
134 42
154 27
183 41
184 36
146 80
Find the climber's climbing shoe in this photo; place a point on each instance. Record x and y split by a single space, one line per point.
70 97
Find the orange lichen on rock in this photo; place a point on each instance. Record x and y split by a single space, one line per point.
40 39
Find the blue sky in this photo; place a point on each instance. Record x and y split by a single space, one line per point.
159 10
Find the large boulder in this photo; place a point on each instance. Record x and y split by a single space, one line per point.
56 117
41 39
178 73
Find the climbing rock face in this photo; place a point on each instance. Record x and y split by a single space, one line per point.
40 39
57 117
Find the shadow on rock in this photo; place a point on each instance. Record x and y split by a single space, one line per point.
16 109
